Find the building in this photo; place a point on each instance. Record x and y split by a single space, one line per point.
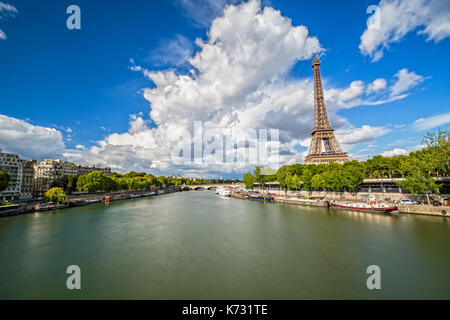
70 169
45 173
11 164
85 169
27 178
324 147
49 171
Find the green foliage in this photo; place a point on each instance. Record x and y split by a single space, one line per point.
306 178
249 180
318 182
293 182
418 169
353 172
69 183
438 145
95 181
4 180
55 194
259 177
418 180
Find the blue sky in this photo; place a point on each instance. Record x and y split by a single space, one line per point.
79 94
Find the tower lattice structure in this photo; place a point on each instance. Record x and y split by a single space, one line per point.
324 146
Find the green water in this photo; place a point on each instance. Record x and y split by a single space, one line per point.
195 245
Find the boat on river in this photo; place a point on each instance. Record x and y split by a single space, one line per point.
261 197
240 195
224 192
370 206
50 206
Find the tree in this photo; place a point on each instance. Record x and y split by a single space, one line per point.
353 175
336 179
418 180
293 182
249 180
69 183
4 180
95 181
55 195
318 182
259 177
438 145
306 178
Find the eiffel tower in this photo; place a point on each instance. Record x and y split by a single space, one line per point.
324 146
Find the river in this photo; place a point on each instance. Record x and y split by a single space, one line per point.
195 245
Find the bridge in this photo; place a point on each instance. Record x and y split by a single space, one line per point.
209 186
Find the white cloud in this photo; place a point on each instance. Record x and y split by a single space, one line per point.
238 81
80 147
6 10
29 141
173 52
405 81
399 17
375 93
377 85
359 135
432 122
394 152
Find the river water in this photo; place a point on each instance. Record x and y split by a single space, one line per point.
195 245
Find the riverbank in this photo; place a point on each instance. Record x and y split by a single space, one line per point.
322 199
77 200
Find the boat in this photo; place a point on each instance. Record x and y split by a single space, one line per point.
240 195
224 192
46 207
261 197
370 206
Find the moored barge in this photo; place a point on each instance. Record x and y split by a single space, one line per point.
368 207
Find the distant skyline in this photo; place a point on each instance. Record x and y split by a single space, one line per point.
116 92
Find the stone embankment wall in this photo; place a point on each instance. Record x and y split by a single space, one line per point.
425 209
329 195
363 196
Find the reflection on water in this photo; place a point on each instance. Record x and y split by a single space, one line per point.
195 245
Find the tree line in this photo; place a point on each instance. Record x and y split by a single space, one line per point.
419 170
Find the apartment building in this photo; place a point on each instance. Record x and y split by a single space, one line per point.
27 178
45 173
11 164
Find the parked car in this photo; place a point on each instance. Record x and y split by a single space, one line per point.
407 202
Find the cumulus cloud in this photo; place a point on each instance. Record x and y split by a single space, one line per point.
29 141
237 82
394 152
396 18
377 85
80 147
423 124
172 52
376 92
359 135
405 81
6 10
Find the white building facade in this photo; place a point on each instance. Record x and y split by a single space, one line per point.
12 165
